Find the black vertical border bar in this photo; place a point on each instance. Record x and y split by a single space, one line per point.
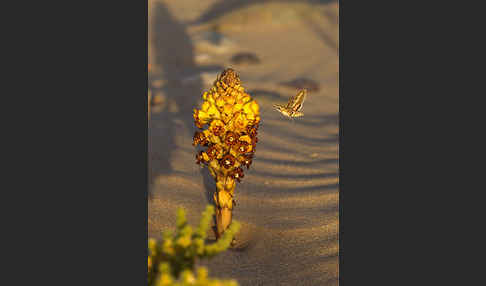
84 215
146 166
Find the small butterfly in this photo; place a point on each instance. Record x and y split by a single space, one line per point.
294 106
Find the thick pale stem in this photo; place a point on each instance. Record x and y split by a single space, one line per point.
224 211
223 220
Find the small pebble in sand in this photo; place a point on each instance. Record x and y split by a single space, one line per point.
158 99
157 83
202 58
213 42
245 59
300 83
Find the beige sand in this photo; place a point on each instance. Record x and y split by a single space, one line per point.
288 201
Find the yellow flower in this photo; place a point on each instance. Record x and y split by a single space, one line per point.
214 112
184 241
214 164
205 106
211 137
220 103
227 108
234 150
209 97
257 119
205 156
250 116
237 107
207 133
211 169
217 127
245 138
200 118
254 107
229 99
243 98
215 95
220 89
167 247
247 108
251 110
152 245
227 113
240 122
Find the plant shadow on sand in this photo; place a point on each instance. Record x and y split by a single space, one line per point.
209 184
172 55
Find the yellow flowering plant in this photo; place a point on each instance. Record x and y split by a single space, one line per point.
172 260
228 122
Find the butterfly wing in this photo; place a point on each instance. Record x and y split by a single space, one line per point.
290 102
298 114
281 109
299 101
294 105
278 106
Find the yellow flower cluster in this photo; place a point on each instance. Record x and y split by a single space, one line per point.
172 261
231 117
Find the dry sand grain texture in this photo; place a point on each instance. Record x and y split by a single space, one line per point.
288 201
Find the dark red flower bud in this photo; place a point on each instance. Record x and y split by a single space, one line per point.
218 130
199 138
198 124
212 151
231 138
199 158
243 147
247 160
252 131
237 174
228 161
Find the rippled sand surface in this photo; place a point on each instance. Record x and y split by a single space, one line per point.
288 201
